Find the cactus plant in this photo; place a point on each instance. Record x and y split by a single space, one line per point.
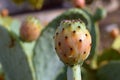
34 60
47 44
73 44
48 32
22 59
12 53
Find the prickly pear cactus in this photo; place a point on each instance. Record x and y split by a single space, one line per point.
13 58
37 60
45 52
16 55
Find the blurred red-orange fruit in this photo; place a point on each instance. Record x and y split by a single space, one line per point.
79 3
4 12
114 32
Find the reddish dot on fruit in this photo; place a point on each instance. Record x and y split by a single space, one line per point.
74 31
55 48
71 49
80 40
66 37
90 44
86 35
84 52
57 33
63 29
65 55
59 43
79 27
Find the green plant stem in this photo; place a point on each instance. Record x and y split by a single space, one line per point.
74 72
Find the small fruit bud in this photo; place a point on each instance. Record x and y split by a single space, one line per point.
79 3
72 42
30 29
4 12
114 32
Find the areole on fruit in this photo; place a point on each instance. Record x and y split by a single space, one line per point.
72 42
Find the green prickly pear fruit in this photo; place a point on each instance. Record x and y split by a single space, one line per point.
72 42
30 29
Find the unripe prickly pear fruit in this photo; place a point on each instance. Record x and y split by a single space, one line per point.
30 29
72 42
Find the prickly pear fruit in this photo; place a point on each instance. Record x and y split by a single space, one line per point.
5 12
30 29
114 32
72 42
79 3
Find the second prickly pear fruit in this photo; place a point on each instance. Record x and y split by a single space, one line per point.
79 3
72 42
5 12
30 29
